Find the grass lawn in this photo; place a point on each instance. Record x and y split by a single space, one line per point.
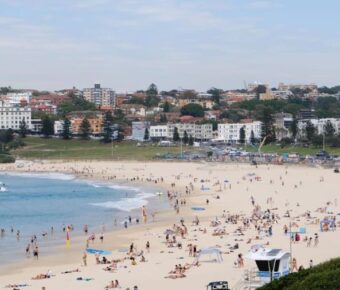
293 149
41 148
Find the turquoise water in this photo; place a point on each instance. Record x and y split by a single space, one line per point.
36 202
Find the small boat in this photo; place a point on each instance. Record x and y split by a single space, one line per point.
3 188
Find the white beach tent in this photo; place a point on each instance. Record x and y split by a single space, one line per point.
212 252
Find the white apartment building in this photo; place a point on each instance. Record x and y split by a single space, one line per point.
197 131
159 132
231 132
11 116
319 124
100 96
19 98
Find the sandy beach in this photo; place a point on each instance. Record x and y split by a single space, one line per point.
230 201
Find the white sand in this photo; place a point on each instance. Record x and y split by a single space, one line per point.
302 186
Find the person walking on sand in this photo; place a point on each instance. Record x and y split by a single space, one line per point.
85 259
316 240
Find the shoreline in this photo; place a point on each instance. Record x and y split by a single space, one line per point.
54 245
235 199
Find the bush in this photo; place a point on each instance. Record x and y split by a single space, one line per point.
5 158
16 143
323 276
194 110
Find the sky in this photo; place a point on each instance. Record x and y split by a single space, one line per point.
190 44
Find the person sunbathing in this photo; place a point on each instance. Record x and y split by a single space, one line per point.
41 276
71 271
16 285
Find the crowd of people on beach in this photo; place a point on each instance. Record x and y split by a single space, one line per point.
253 229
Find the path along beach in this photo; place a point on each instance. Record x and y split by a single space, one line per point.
229 207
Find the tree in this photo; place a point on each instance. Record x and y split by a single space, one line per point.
252 137
47 126
163 118
191 140
192 109
152 98
107 128
232 115
75 104
310 131
146 134
188 94
216 95
175 137
294 128
22 128
166 107
66 134
6 136
260 89
329 129
242 135
119 115
85 129
264 114
136 100
185 137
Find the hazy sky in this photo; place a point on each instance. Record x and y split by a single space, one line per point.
127 44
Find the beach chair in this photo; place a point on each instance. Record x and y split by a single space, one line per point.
218 285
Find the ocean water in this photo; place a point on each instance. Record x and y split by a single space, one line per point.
36 202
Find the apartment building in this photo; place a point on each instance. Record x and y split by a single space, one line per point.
11 116
100 96
197 131
159 132
319 124
230 132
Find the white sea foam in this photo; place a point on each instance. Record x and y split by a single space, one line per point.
114 186
124 187
127 204
59 176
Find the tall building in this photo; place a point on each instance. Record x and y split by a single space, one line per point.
100 96
11 116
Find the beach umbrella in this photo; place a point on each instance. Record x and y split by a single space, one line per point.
98 252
